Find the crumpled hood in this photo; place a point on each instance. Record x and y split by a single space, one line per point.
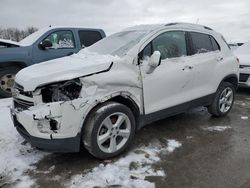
66 68
9 43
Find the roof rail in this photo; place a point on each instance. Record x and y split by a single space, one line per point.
176 23
170 24
208 28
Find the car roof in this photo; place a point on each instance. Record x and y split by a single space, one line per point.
69 27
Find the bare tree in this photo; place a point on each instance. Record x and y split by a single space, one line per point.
16 34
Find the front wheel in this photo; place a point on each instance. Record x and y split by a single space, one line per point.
109 130
7 78
223 100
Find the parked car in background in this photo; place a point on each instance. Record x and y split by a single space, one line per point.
100 96
234 46
243 53
45 44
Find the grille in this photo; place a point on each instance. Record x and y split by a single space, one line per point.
22 104
244 66
244 77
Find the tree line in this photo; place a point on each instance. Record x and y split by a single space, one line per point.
16 34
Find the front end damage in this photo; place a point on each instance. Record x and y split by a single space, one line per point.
51 117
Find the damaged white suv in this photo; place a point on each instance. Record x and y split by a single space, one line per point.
102 95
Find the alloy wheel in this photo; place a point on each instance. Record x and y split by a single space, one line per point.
114 132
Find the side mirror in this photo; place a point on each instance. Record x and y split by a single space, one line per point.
154 61
45 44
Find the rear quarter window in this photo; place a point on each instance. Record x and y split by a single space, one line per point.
87 38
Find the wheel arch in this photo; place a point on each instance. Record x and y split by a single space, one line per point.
124 98
232 78
131 104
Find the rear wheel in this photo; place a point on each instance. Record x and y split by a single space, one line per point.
223 101
109 130
7 79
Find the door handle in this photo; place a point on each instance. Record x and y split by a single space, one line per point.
219 58
187 67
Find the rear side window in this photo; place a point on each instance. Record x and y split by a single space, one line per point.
201 42
87 38
171 44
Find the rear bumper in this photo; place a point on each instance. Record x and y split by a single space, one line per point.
64 145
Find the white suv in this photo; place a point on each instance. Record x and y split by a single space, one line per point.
102 95
243 53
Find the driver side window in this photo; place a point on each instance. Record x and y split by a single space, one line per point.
170 44
61 39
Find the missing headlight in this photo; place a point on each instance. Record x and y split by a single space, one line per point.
65 91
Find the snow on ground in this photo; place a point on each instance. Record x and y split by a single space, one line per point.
16 156
129 171
244 117
217 128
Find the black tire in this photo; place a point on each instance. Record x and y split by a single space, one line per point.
215 107
5 88
91 129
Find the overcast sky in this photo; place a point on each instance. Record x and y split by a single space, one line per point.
229 17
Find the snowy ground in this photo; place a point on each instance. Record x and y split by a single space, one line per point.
129 171
17 157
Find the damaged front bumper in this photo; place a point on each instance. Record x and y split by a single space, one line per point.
53 126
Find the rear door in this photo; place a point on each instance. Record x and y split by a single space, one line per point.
87 38
206 54
63 44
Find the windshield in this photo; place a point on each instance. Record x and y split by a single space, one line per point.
29 40
117 44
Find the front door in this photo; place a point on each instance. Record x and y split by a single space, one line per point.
63 44
171 83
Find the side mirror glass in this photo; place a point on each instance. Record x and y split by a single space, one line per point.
154 61
45 44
